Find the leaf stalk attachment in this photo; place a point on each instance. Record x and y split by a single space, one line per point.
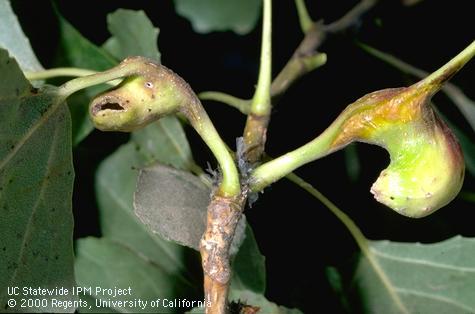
148 92
427 168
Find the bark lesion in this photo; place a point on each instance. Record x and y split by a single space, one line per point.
224 214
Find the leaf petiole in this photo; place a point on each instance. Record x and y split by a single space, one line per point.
261 101
55 72
305 20
243 105
321 146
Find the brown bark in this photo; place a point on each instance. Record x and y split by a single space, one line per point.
255 137
224 214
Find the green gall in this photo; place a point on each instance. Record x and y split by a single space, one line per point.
427 167
149 92
143 97
423 177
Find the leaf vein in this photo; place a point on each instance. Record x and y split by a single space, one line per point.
423 262
28 229
435 297
29 134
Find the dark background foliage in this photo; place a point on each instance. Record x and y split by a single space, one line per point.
298 235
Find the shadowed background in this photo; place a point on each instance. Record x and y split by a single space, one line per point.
298 235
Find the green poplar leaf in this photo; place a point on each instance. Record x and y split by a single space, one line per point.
116 179
165 141
206 16
133 34
36 182
107 264
77 51
116 183
14 40
420 278
249 266
249 278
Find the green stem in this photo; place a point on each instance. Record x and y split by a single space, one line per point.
294 69
351 17
55 72
278 168
304 18
242 105
458 97
258 119
190 107
392 60
122 70
448 70
314 37
344 218
58 72
261 101
230 185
